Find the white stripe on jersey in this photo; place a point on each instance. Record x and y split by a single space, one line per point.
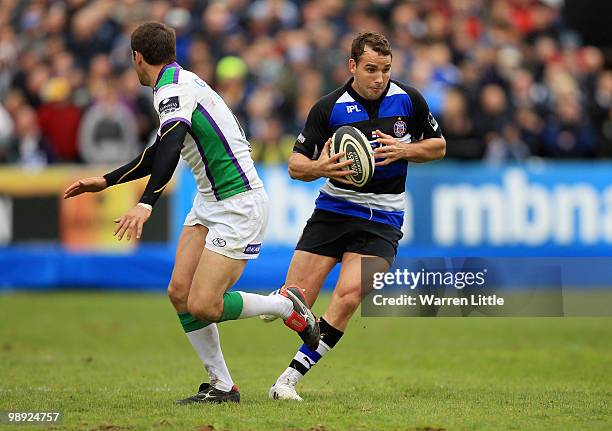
345 98
384 202
395 89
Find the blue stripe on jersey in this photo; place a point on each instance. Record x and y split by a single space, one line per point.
342 206
315 356
347 113
395 106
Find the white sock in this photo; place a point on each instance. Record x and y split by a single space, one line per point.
206 342
303 360
255 305
290 376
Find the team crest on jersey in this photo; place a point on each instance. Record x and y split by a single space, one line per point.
399 128
169 104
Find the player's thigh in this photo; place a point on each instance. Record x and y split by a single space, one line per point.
309 271
349 292
236 228
188 252
214 275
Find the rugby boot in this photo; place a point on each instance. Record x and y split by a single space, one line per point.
301 319
209 394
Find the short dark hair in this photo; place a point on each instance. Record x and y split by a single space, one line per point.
376 41
156 42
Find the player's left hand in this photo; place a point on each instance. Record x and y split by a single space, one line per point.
390 149
132 223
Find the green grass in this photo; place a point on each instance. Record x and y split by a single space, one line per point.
113 361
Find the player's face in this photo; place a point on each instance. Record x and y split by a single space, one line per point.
138 62
371 72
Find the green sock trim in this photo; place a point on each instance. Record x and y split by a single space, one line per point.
232 306
190 323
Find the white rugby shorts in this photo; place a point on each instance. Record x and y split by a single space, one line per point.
236 225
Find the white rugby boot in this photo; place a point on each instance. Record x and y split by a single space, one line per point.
284 388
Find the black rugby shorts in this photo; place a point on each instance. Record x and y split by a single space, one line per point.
331 234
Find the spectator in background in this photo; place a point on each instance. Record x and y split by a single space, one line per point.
231 77
507 146
271 146
6 132
29 147
8 56
108 132
246 48
92 31
140 105
462 141
568 134
59 119
493 113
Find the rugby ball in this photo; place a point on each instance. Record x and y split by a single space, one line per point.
349 140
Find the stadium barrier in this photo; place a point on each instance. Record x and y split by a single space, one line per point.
537 209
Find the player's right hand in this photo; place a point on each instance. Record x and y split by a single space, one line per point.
331 167
91 185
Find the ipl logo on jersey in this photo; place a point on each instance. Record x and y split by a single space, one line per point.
399 128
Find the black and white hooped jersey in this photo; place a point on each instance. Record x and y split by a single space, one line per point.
401 112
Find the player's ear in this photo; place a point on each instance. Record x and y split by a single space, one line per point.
352 66
137 56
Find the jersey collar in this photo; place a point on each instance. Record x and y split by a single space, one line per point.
161 72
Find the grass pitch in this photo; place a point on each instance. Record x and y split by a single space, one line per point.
112 361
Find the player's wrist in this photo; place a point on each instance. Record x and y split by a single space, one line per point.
145 206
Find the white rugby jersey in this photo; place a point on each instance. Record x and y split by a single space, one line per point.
219 154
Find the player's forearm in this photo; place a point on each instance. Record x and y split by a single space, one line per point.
138 168
302 168
165 161
426 150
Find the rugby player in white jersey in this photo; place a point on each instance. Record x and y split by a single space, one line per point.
348 222
225 227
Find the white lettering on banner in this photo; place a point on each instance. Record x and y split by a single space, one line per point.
518 212
6 220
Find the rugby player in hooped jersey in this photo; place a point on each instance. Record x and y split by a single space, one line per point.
226 225
349 222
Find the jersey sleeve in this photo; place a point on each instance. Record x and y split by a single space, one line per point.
423 116
315 133
174 102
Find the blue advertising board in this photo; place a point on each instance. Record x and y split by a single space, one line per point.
466 209
452 210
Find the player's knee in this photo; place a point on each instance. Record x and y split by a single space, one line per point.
178 294
209 311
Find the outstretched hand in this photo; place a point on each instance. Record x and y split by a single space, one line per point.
132 223
86 185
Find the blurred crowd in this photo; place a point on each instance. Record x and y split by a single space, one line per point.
506 79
